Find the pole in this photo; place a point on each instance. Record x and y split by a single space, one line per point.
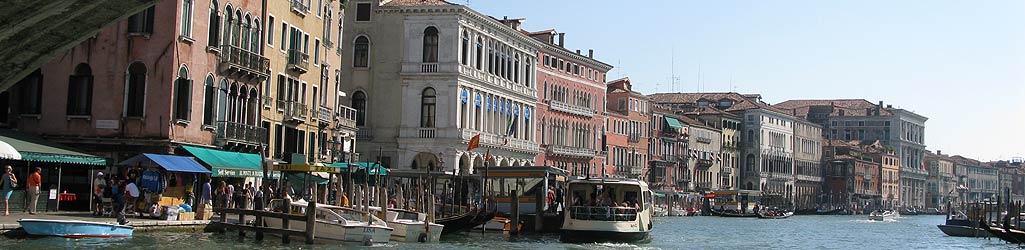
311 217
59 175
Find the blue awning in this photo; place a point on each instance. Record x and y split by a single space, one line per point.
169 162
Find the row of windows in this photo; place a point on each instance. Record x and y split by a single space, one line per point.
565 133
573 68
860 123
563 94
493 113
502 60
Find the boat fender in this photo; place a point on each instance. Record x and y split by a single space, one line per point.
368 241
422 238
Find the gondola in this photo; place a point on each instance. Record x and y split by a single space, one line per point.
835 211
467 220
732 214
778 215
1008 235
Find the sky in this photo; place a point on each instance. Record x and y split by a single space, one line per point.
959 63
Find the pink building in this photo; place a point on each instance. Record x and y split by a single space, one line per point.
181 73
628 132
570 107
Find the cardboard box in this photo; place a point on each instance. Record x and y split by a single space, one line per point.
208 213
187 216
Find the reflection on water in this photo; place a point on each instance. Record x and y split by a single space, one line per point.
798 232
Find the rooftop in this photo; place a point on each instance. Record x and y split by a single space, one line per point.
418 3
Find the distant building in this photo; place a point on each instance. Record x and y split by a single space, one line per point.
852 175
667 160
858 119
942 183
704 159
981 179
729 126
889 177
629 113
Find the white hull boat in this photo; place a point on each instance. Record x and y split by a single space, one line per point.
340 224
883 215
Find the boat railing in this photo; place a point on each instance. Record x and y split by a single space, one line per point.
603 213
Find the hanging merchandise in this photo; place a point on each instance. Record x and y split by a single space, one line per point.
152 181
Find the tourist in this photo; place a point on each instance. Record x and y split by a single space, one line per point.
34 180
131 196
230 194
7 184
258 200
204 199
99 187
559 199
113 186
246 196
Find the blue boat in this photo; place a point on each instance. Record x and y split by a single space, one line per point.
74 228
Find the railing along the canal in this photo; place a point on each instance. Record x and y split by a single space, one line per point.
603 213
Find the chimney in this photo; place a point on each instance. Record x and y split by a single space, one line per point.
880 104
889 106
562 39
578 52
590 53
505 18
938 152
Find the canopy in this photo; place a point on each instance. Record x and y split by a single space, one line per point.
33 148
169 162
8 152
372 167
228 164
673 122
296 178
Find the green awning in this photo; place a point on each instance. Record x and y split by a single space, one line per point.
33 148
342 165
228 164
373 168
296 178
660 195
673 122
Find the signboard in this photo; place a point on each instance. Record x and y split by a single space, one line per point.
107 124
229 172
53 193
307 168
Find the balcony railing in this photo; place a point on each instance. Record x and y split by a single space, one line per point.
570 108
346 117
429 67
427 133
295 111
570 151
364 133
243 62
298 61
499 141
241 133
300 7
323 114
268 102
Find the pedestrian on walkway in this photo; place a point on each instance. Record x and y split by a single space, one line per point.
258 200
7 184
231 196
34 180
131 196
204 199
99 184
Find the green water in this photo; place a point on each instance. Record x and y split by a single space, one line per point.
798 232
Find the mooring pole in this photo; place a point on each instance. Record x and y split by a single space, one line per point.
515 209
311 217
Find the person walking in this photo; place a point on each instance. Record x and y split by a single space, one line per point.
99 184
204 199
258 200
231 196
7 184
34 181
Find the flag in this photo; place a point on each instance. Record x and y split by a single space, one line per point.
474 143
487 155
511 130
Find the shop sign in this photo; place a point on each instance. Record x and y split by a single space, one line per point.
307 168
227 172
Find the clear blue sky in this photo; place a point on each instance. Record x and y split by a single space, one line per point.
960 63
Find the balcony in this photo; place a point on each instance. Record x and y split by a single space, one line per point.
268 102
364 133
294 111
570 151
703 163
242 63
346 117
233 132
300 7
634 138
571 109
498 141
298 61
323 114
479 75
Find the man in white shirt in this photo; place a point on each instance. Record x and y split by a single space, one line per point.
131 196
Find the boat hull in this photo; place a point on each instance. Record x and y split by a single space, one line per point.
963 231
784 216
330 232
589 236
74 229
410 232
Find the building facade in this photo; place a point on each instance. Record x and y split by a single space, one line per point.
729 126
889 178
629 114
808 164
570 106
704 162
981 179
667 160
942 183
427 76
858 119
852 175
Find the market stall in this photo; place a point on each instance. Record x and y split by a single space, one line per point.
166 180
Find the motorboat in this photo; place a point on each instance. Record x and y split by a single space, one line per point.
339 224
620 211
958 225
410 226
775 214
882 215
74 228
733 214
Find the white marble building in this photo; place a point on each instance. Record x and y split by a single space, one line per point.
427 75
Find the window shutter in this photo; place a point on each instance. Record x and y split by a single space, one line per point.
88 84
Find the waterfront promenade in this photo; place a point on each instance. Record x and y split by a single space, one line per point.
8 223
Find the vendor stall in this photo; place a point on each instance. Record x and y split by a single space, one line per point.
166 180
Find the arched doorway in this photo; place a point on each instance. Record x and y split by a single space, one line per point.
464 164
426 160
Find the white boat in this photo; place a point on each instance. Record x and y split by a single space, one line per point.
411 226
622 212
74 228
880 215
340 224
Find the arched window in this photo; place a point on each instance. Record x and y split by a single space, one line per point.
254 34
228 23
361 52
214 27
750 162
236 29
183 94
244 32
186 21
428 103
480 52
135 94
222 100
430 45
359 103
80 90
209 100
466 48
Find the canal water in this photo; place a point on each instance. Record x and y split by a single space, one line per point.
798 232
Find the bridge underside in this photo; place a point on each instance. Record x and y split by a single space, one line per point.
32 32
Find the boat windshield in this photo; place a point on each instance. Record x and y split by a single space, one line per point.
605 202
603 213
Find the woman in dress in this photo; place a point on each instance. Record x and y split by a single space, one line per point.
7 184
